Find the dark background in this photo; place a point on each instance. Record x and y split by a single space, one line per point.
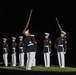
14 15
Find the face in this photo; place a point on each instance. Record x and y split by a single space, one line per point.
4 41
27 34
13 40
46 37
20 39
62 35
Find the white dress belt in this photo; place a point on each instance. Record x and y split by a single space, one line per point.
14 48
46 46
60 45
4 48
20 47
30 44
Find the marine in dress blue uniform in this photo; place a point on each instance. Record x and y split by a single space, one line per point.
21 51
14 44
61 46
47 50
30 49
5 51
35 44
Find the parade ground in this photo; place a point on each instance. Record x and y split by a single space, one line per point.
39 69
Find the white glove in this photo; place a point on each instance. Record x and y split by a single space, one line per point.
7 53
30 42
49 52
64 52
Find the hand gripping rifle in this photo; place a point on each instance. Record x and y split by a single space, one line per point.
27 24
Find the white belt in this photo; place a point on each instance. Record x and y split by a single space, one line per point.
30 44
21 47
14 48
46 46
4 48
60 45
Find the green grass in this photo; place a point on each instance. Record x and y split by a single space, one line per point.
54 69
41 68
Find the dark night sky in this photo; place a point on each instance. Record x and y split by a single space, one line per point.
14 15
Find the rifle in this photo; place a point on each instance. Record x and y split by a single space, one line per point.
27 24
58 24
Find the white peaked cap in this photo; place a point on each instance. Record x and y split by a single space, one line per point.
47 34
27 31
4 39
20 36
32 35
63 32
13 38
